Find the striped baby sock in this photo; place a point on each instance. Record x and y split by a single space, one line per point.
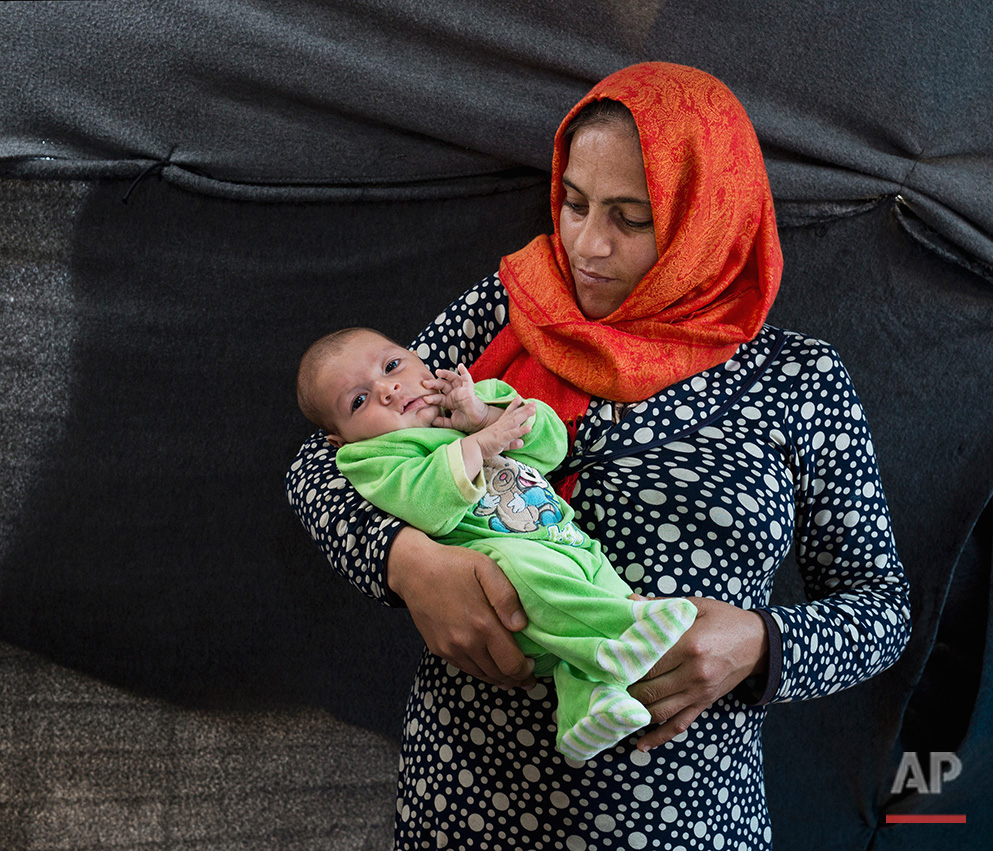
613 715
657 626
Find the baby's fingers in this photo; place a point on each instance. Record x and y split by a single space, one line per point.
438 385
523 411
516 404
518 427
521 430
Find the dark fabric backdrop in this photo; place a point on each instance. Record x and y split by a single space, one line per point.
191 192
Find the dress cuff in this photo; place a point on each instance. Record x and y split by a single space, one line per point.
390 598
761 688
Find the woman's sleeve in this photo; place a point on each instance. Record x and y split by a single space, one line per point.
857 618
353 535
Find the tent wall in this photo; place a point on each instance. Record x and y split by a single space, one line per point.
191 192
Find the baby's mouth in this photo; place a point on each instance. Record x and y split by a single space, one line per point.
413 404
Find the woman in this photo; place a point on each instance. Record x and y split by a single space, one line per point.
704 442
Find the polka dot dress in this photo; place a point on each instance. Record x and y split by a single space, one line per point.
695 492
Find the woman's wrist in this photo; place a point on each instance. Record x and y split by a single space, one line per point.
758 644
410 550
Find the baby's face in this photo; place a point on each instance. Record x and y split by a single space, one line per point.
374 387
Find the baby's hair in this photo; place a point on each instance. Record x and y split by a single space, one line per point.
329 346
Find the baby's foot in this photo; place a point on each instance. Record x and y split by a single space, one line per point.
613 715
658 625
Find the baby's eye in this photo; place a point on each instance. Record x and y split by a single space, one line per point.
393 364
358 401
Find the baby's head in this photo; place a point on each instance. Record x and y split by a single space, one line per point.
357 383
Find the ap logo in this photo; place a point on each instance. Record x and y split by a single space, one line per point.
943 766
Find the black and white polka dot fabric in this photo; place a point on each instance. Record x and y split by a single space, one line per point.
697 491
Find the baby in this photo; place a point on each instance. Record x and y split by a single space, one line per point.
466 464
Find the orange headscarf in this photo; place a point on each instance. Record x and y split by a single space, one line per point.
719 258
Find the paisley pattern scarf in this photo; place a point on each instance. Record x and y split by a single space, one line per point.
710 290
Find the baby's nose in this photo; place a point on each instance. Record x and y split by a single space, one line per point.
388 389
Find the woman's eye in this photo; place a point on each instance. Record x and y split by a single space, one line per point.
637 225
358 401
393 364
574 206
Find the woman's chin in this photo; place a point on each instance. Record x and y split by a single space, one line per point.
598 298
595 306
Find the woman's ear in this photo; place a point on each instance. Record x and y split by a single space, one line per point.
335 440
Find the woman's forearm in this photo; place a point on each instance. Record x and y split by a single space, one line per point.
411 547
463 606
353 535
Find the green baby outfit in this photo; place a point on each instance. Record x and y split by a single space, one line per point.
582 628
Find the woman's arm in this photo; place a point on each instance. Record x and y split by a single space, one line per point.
353 535
463 606
857 618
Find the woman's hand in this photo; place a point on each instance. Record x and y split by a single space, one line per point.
464 607
724 645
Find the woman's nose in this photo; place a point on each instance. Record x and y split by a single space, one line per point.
593 239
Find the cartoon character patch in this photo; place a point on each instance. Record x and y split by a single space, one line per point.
517 499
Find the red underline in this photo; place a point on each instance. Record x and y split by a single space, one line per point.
925 819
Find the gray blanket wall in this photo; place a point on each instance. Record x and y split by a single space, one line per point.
191 192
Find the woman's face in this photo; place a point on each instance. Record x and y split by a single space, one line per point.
606 218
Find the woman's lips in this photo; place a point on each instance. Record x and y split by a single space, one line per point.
586 277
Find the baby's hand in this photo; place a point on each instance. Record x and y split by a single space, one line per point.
507 431
456 391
